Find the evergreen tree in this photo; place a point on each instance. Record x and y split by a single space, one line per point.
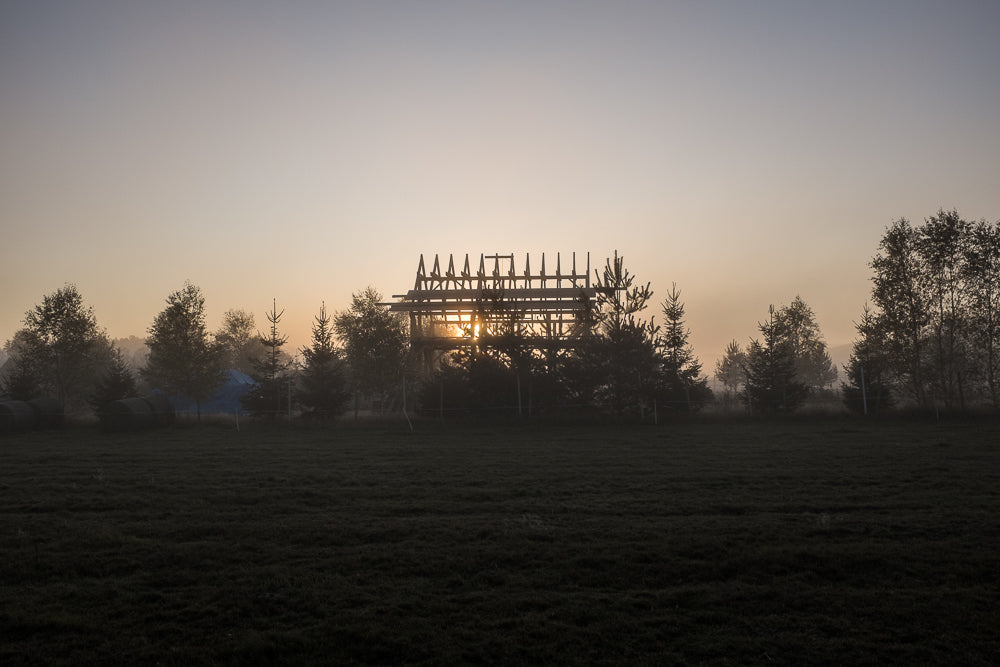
681 384
20 375
771 386
183 359
322 384
868 388
117 383
134 351
270 385
617 367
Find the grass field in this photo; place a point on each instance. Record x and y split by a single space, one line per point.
826 542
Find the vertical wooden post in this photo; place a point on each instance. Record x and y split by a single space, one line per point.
864 393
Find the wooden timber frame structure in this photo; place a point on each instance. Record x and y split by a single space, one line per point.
452 309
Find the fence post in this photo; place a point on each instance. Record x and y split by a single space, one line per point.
864 394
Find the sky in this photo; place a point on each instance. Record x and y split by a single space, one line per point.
749 152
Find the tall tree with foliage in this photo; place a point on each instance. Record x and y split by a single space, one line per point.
375 344
183 358
982 279
61 348
270 392
868 388
771 385
681 386
898 294
321 382
935 288
941 244
800 334
239 340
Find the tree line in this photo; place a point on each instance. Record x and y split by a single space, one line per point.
624 364
62 352
929 339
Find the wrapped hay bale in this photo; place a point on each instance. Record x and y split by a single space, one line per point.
128 414
163 410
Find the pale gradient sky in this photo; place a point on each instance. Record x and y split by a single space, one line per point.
748 151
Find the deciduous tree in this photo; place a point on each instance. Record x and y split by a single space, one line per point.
375 343
183 358
898 294
935 289
800 335
62 347
982 280
239 340
941 244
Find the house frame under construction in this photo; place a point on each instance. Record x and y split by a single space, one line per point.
453 308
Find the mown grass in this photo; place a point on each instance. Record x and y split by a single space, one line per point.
825 542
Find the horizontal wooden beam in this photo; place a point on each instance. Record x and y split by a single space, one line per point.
475 293
533 342
471 307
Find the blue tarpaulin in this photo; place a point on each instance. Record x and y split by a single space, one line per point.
225 400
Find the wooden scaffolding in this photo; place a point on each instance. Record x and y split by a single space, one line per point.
451 308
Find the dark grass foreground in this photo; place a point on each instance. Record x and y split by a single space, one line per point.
739 543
